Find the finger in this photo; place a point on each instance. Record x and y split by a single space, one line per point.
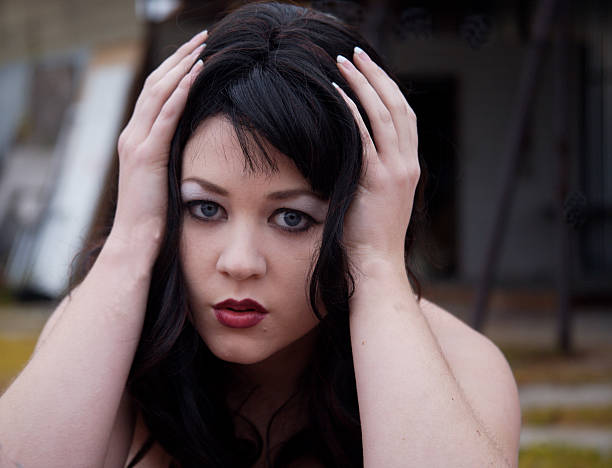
186 49
384 133
368 145
404 118
152 98
146 111
164 126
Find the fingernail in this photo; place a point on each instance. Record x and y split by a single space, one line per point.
200 36
335 85
344 62
359 51
198 49
197 65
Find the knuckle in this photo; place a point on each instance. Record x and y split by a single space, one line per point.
384 115
184 47
411 114
406 174
122 139
417 171
402 107
380 72
168 112
188 59
414 173
185 82
150 80
363 81
129 154
123 145
155 91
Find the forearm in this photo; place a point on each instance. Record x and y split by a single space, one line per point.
60 410
413 412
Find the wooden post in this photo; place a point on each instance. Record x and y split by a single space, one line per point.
563 170
511 152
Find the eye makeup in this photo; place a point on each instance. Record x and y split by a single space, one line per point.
192 190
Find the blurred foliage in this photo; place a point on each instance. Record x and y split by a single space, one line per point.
557 456
592 416
14 353
536 365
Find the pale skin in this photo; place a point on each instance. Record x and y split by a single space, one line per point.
432 392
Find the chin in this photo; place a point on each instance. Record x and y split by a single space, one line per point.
239 353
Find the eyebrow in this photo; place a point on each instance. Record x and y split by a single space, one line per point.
280 195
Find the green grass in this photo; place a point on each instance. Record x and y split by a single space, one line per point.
555 456
589 416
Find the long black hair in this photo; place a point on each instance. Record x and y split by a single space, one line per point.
268 69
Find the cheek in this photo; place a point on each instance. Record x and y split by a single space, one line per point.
196 256
294 262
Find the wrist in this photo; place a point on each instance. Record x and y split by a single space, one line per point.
379 295
379 276
379 267
132 253
143 239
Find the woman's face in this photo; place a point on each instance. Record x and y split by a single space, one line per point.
250 236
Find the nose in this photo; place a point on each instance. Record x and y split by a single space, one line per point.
240 257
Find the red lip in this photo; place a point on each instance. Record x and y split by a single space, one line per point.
239 314
245 305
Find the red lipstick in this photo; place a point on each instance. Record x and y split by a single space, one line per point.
239 314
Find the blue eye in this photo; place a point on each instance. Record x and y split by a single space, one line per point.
205 210
293 221
208 210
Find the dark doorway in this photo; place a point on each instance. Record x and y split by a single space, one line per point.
434 100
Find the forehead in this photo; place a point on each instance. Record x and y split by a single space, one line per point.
214 151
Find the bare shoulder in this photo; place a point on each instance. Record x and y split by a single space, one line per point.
482 372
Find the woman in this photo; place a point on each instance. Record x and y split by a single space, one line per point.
250 305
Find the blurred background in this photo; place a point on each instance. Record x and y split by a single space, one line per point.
514 106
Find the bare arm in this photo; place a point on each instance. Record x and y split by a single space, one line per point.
413 410
125 419
61 410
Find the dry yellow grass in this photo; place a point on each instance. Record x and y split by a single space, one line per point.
14 354
553 456
534 365
590 416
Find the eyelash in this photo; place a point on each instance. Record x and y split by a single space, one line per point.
309 219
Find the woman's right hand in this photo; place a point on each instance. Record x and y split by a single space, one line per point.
144 146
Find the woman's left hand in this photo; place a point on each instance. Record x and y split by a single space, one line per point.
377 220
